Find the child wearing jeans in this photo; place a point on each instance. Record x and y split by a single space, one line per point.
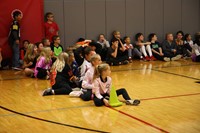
102 85
131 50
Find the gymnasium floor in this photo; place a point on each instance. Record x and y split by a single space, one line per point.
169 93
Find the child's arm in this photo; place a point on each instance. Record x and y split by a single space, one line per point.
114 54
122 46
86 81
26 64
141 44
160 50
40 63
98 94
154 51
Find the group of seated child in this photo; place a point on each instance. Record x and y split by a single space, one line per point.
80 72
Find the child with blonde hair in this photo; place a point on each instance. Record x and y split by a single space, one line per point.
64 76
43 64
102 84
87 87
88 78
30 60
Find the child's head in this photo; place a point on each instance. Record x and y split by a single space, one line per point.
93 45
139 37
71 56
56 39
39 46
179 35
152 37
46 52
62 60
116 34
46 42
17 15
114 43
49 16
88 52
169 37
101 37
102 70
26 43
29 52
95 60
127 40
188 37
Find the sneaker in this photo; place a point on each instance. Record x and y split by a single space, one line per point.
17 68
76 89
147 58
143 59
166 59
176 58
47 92
75 93
152 58
133 102
125 62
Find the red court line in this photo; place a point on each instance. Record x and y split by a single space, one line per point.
174 96
142 121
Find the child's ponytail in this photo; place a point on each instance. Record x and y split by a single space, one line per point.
99 70
96 72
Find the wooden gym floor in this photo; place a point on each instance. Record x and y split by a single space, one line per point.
169 93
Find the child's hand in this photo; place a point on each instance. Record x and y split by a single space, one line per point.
161 54
106 102
30 63
73 78
17 41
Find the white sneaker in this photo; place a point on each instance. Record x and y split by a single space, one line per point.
176 58
166 59
133 102
75 93
76 89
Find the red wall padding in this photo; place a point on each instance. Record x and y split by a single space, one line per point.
31 24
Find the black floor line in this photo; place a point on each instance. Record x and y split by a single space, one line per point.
53 122
176 74
153 67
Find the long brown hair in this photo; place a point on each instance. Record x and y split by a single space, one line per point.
29 56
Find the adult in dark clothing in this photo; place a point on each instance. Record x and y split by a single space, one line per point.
170 48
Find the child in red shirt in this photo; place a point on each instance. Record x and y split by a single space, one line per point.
50 27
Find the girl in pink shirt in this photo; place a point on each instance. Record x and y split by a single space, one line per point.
102 84
43 64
